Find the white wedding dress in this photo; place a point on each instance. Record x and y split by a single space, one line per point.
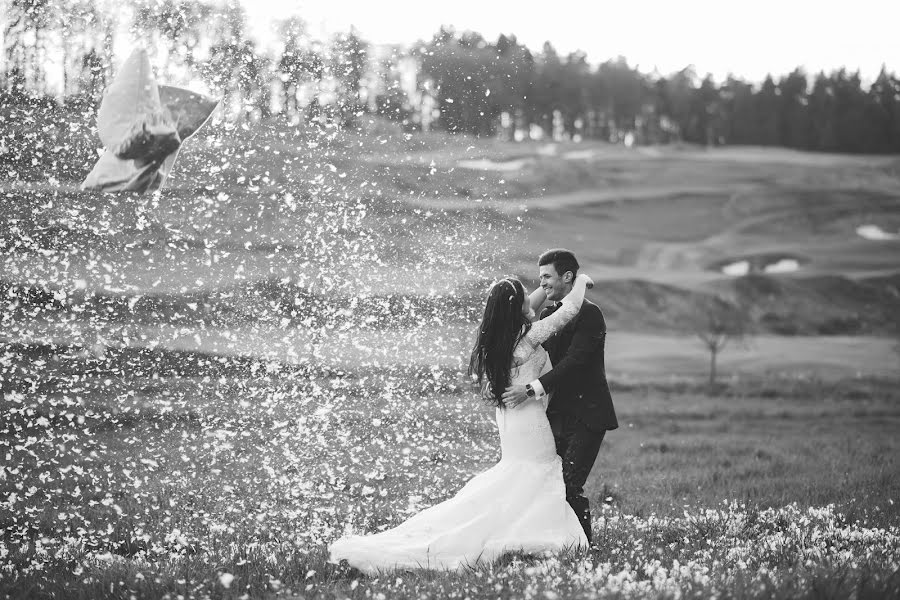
519 504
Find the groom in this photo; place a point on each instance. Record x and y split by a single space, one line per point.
581 409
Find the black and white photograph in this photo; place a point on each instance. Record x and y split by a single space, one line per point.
468 300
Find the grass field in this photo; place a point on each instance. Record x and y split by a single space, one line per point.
161 480
206 386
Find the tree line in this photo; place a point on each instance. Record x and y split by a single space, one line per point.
457 82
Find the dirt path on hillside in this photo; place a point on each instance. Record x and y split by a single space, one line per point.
638 356
630 356
577 199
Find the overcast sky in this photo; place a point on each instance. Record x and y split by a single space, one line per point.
748 38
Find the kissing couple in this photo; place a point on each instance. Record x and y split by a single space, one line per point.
547 379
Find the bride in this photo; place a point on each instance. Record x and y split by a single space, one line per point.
520 503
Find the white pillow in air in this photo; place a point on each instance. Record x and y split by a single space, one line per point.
132 121
142 126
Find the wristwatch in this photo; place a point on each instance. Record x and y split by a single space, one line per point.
529 391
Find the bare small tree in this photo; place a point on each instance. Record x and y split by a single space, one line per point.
716 324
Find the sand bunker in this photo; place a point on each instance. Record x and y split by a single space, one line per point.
784 265
579 155
483 164
737 269
874 232
769 264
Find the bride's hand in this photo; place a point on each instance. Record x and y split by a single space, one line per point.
588 282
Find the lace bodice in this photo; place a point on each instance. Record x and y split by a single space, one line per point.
530 360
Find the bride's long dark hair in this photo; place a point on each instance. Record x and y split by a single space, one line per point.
502 327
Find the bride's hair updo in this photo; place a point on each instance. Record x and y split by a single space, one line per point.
502 326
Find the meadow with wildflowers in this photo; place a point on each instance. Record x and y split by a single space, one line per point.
200 476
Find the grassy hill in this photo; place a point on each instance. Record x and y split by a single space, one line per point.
376 229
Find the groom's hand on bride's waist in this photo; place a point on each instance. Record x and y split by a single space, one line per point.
517 394
514 396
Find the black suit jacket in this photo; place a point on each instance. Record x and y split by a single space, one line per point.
578 378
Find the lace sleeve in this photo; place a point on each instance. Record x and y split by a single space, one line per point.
571 304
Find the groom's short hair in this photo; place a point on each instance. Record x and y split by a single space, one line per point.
562 260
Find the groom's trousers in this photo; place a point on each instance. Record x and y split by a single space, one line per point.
578 447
